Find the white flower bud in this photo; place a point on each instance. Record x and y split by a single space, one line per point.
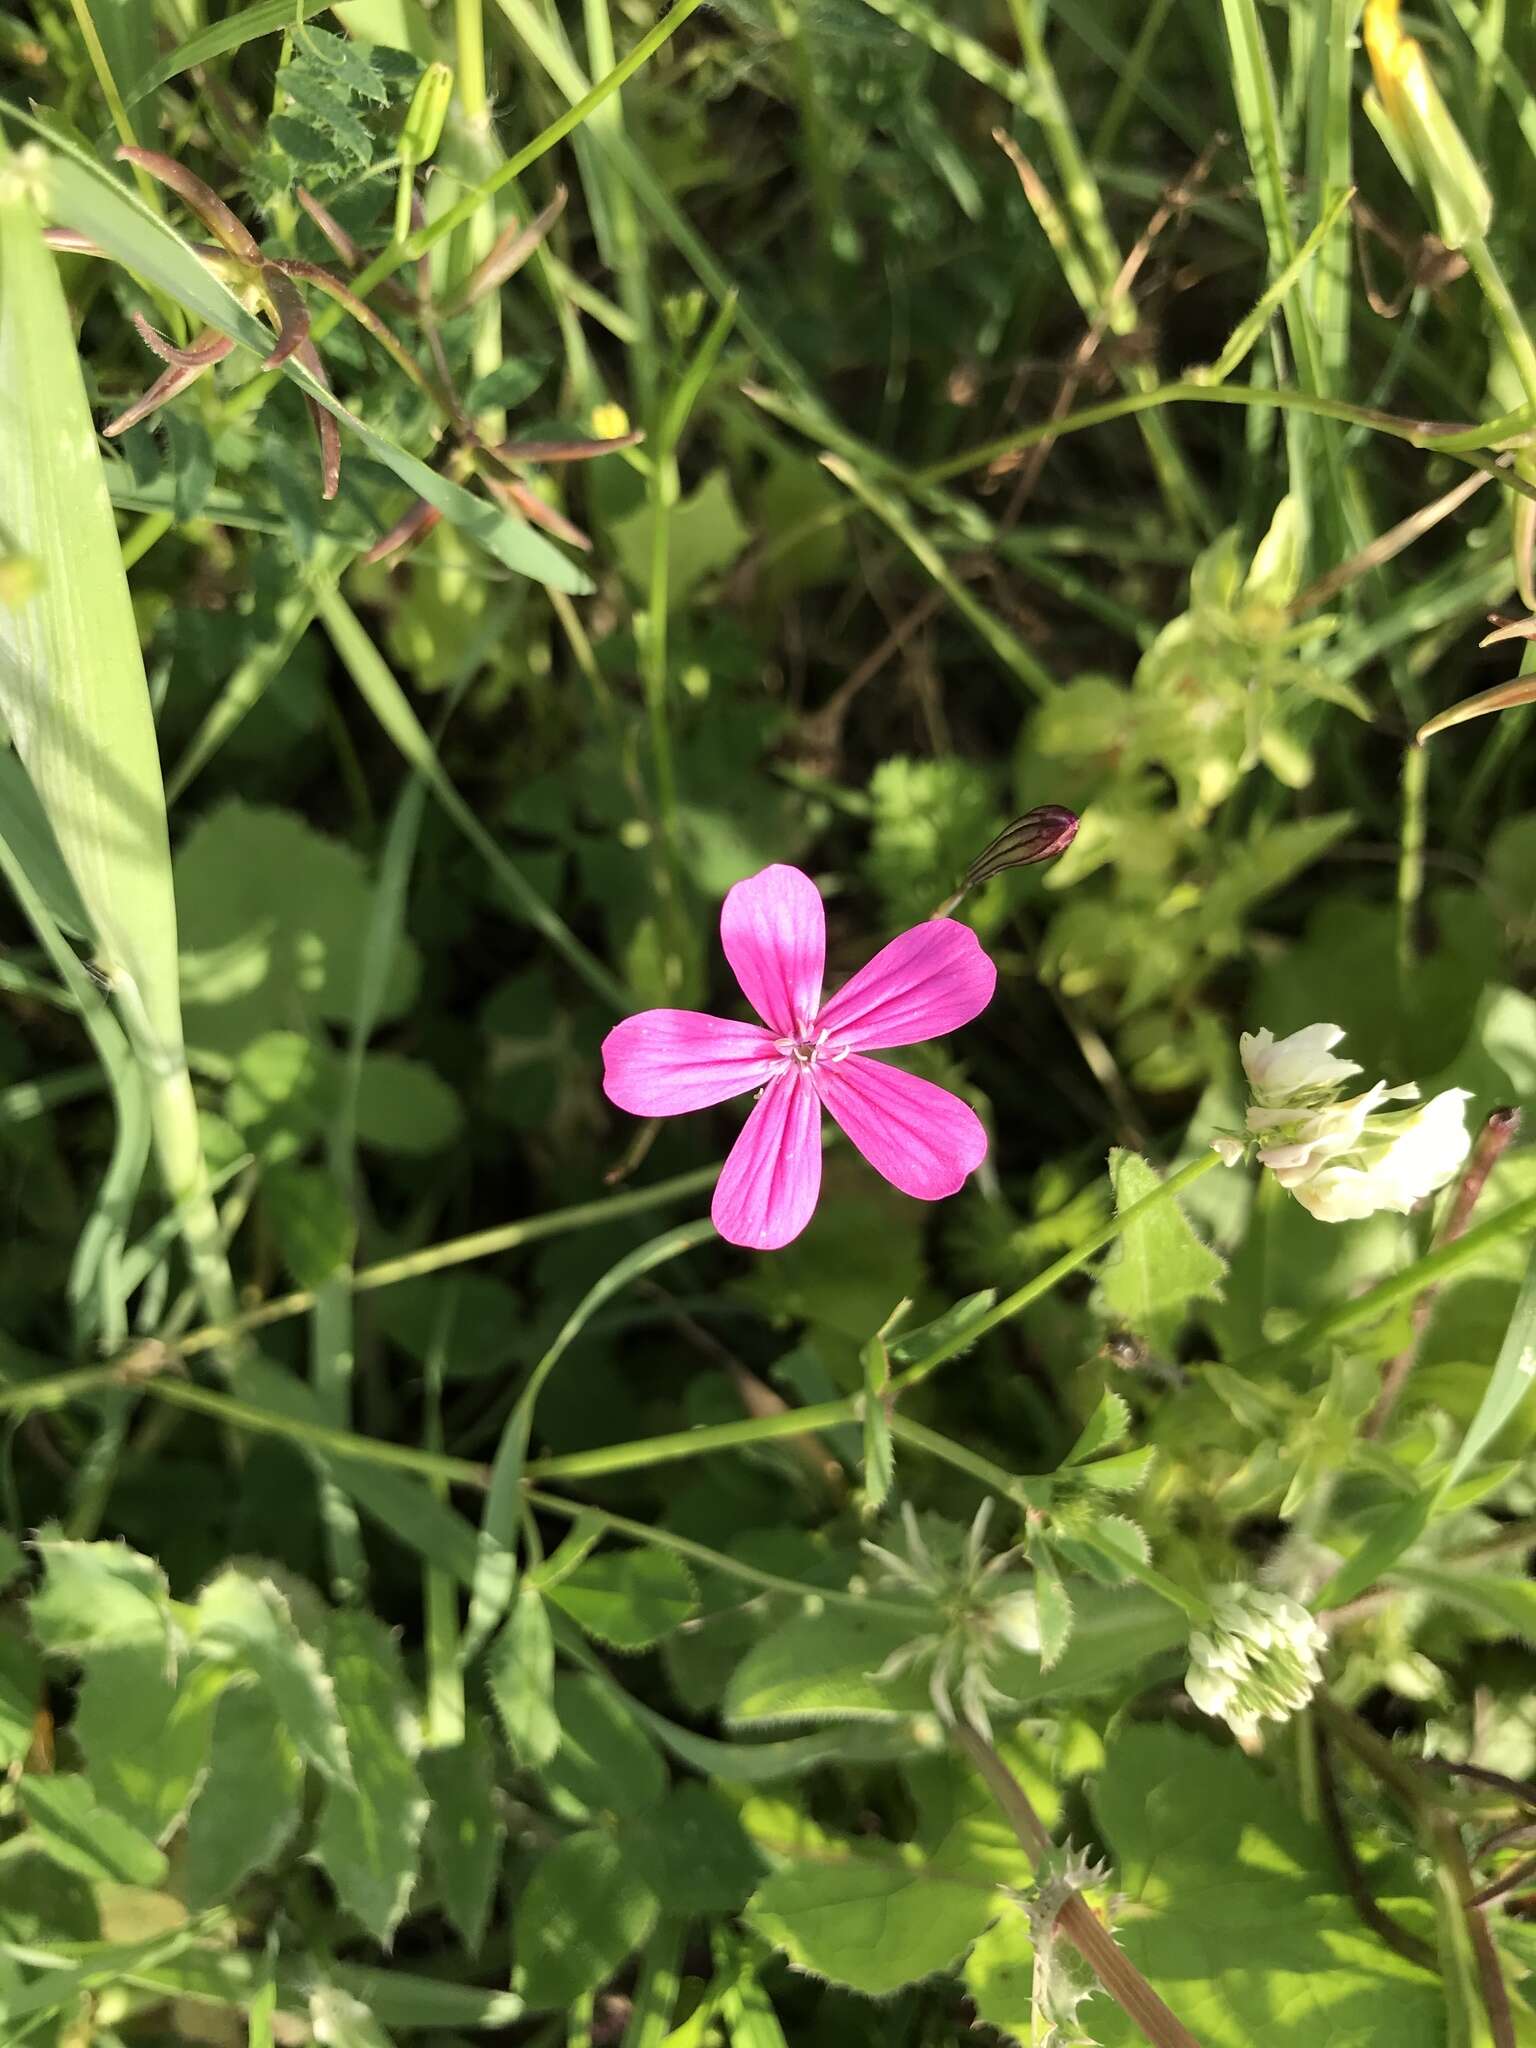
1288 1069
1259 1660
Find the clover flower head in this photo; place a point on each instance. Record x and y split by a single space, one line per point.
1343 1159
1258 1661
810 1053
983 1607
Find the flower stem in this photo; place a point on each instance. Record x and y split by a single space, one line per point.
1094 1943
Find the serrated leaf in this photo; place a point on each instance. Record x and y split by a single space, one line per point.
80 1834
248 1805
695 1854
327 104
607 1762
403 1105
1109 1422
1109 1547
520 1672
1053 1608
628 1599
245 1622
1157 1267
99 1597
369 1836
464 1831
1239 1919
1121 1473
585 1908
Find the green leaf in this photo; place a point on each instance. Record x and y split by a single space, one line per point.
100 1596
520 1672
248 1807
471 1323
1387 1532
584 1910
999 1974
245 1622
261 18
705 535
1053 1606
1110 1547
21 1692
873 1918
146 1736
628 1599
1237 1917
274 925
1109 1422
464 1831
369 1835
695 1854
607 1762
1513 1376
280 1092
32 841
72 686
1157 1267
311 1220
1497 1599
879 1449
404 1106
82 1835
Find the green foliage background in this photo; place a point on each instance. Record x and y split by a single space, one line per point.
426 1616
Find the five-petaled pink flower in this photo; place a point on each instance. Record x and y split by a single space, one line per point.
808 1055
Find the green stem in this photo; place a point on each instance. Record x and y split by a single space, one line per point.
1410 871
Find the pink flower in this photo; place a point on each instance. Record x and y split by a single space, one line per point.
808 1055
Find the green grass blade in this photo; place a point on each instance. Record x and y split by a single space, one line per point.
239 27
1513 1375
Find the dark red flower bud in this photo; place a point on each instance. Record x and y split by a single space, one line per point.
1041 834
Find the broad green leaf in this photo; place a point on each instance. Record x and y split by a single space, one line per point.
85 196
72 686
1157 1267
21 1693
248 1806
1237 1914
41 1902
606 1762
871 1916
97 1597
1387 1532
695 1854
82 1835
396 1998
274 926
146 1736
628 1599
403 1105
1497 1599
369 1835
584 1910
280 1092
520 1672
464 1830
245 1622
471 1324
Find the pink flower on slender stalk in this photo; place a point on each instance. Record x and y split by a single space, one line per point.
808 1055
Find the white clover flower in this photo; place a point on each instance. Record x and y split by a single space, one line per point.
1286 1069
1342 1159
1403 1158
1258 1661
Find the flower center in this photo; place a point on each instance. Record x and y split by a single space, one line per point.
803 1050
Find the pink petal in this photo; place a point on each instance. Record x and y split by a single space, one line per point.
932 979
666 1061
768 1187
774 932
923 1139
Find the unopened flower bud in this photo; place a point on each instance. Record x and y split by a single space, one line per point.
1258 1661
1287 1069
424 120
